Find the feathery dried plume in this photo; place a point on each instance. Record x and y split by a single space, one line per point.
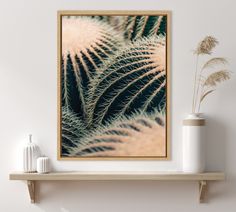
204 85
217 77
214 62
206 45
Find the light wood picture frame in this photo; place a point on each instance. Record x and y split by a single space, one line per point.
113 85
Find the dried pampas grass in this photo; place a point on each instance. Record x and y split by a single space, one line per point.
205 94
206 45
203 88
213 62
217 77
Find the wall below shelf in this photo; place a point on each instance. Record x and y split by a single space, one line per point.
202 178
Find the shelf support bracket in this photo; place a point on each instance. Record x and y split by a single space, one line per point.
31 188
202 190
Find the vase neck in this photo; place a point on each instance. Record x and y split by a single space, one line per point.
30 138
195 116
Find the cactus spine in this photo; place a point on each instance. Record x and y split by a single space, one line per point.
133 80
125 136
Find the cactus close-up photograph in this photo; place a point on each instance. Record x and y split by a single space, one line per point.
113 85
117 106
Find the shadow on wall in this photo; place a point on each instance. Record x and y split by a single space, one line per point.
114 196
216 144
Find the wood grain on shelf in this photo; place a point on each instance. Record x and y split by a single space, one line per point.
112 175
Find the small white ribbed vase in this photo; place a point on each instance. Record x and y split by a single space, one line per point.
43 165
31 153
194 143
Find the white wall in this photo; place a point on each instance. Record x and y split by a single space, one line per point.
28 101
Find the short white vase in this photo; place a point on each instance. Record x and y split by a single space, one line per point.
30 154
43 165
194 143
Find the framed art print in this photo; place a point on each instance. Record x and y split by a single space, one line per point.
113 85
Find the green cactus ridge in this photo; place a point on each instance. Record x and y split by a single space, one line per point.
72 130
136 27
108 138
82 54
144 26
133 79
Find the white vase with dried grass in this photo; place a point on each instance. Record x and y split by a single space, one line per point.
206 80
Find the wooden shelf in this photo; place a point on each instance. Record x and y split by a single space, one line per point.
202 178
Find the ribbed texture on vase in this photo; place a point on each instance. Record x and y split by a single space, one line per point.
31 153
43 165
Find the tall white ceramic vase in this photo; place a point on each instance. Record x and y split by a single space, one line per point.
30 154
194 143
